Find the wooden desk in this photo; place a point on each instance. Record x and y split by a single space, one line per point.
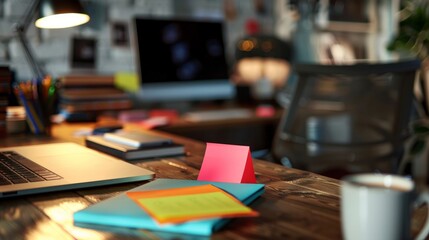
296 204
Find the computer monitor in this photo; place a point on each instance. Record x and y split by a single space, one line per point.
181 60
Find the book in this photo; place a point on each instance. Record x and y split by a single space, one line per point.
136 139
90 94
87 80
132 153
96 105
122 211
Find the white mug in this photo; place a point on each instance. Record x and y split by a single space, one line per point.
379 206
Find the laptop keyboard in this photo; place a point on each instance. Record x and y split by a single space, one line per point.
15 168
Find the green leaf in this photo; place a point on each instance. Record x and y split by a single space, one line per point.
413 32
417 146
420 129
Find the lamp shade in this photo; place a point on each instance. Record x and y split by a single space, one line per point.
61 14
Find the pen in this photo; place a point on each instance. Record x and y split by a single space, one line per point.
30 118
39 100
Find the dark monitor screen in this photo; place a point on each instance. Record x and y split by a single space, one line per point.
182 58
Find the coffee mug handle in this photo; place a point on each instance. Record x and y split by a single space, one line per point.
422 198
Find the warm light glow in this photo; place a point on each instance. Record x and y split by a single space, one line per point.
64 20
250 70
267 46
277 71
247 45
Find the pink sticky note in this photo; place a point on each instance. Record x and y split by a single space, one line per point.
227 163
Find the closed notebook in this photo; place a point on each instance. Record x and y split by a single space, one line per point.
121 211
132 153
136 139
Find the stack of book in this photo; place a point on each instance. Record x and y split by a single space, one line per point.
134 145
16 119
84 97
5 78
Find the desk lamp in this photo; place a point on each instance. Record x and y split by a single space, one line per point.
263 61
54 14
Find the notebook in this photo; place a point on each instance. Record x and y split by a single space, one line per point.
61 166
131 153
136 139
121 211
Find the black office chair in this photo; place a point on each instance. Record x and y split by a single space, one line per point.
347 118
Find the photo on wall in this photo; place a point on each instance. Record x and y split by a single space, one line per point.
119 34
83 53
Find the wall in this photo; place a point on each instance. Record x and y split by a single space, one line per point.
52 47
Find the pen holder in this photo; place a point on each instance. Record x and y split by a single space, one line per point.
38 99
5 77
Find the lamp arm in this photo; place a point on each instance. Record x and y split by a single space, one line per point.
20 29
37 69
29 15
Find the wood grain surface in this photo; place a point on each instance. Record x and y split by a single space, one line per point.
296 204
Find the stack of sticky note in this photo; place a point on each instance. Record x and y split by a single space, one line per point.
198 207
178 205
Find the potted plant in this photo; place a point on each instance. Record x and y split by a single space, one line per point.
413 30
415 159
413 37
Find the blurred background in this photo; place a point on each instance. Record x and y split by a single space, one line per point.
323 30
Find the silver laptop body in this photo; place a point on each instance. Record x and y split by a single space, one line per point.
67 166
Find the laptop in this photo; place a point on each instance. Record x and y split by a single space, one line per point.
51 167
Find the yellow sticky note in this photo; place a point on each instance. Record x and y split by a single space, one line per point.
190 203
127 81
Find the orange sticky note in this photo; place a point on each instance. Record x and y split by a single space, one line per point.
190 203
227 163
